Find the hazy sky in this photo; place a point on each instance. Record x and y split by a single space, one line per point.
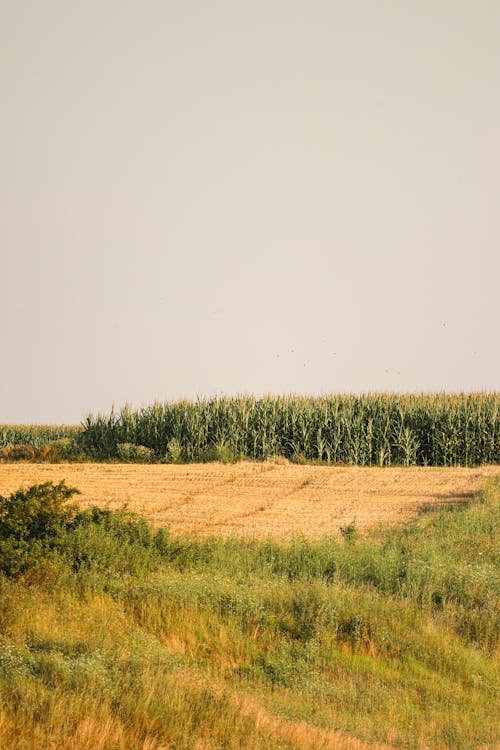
246 196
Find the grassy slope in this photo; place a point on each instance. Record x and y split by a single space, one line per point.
212 644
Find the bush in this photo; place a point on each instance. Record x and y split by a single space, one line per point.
64 449
39 512
136 454
121 523
221 452
349 532
174 454
17 453
40 532
30 522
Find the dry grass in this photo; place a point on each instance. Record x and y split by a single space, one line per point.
304 736
277 500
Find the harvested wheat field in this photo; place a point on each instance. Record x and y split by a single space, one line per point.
278 500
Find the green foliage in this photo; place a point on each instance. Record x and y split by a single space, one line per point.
371 429
63 449
367 430
220 452
30 522
37 436
48 444
137 454
391 639
98 549
349 532
39 512
174 452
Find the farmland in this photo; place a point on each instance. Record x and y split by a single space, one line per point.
365 430
114 636
36 436
253 574
276 499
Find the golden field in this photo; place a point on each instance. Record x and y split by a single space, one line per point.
277 500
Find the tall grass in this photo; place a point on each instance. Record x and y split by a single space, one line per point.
131 639
366 430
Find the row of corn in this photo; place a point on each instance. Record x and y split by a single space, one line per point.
366 430
36 435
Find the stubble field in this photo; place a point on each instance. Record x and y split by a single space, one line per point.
259 500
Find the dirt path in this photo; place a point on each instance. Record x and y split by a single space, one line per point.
258 499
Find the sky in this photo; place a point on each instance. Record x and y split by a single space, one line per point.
224 197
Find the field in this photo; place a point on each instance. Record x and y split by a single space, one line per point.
259 500
338 591
372 429
117 637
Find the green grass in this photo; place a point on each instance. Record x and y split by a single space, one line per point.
118 637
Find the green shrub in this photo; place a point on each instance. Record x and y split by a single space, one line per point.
121 522
38 512
135 454
30 522
225 454
64 449
96 549
349 532
174 453
40 530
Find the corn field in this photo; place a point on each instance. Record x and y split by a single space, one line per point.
366 430
35 435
